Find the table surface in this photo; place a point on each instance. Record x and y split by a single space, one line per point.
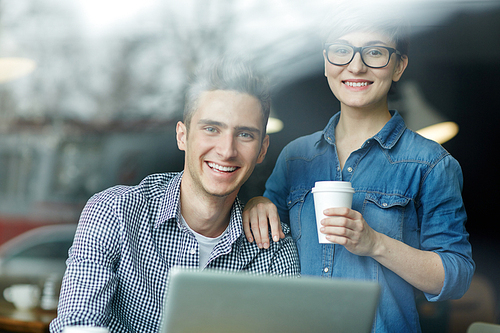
32 321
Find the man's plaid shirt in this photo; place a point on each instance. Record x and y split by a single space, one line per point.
128 239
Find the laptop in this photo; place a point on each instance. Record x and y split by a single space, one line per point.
211 301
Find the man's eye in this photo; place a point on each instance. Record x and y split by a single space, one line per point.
210 129
246 135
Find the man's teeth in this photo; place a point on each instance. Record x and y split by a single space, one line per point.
356 84
221 168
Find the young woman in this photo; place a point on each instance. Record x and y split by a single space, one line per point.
406 228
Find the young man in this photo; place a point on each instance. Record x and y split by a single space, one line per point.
128 238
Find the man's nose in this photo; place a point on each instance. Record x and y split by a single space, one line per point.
226 147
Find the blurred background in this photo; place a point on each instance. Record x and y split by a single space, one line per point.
91 90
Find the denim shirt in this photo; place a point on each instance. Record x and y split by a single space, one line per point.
406 187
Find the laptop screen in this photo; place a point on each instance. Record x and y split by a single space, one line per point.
210 301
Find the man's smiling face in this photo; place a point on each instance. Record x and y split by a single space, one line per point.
223 144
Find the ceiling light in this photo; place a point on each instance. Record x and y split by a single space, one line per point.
440 132
13 68
274 125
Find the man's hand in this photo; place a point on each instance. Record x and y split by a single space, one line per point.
259 212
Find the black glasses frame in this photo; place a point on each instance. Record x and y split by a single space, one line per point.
360 50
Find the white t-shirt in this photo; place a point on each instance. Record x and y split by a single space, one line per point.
205 244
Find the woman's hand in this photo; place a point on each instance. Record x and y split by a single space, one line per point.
259 212
422 269
347 227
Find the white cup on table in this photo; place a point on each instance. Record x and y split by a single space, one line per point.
23 296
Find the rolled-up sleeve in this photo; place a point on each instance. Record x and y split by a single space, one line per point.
443 217
89 282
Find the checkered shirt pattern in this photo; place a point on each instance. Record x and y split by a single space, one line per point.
127 240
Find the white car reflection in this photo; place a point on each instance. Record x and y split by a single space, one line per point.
40 252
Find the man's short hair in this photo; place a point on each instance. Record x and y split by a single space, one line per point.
228 74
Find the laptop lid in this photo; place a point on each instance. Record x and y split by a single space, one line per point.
211 301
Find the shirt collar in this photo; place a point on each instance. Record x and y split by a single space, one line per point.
170 209
387 137
170 202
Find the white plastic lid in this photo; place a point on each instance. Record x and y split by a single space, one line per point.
85 329
340 186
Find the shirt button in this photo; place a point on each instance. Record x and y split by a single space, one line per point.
192 251
384 204
349 169
326 270
338 168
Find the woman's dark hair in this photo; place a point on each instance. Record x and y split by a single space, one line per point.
352 17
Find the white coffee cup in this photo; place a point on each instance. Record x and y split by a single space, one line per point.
85 329
330 194
24 296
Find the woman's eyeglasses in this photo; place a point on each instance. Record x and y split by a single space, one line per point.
372 56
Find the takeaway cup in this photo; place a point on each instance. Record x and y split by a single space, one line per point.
330 194
24 296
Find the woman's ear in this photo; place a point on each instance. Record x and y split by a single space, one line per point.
325 59
400 68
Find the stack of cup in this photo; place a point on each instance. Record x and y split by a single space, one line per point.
49 298
330 194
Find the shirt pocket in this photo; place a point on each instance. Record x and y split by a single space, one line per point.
385 213
295 203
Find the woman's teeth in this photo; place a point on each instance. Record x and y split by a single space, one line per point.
221 168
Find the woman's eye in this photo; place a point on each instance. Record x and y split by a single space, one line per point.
340 51
374 52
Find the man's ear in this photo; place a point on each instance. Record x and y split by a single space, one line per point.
263 149
181 135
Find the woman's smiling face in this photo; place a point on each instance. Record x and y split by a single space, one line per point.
357 86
